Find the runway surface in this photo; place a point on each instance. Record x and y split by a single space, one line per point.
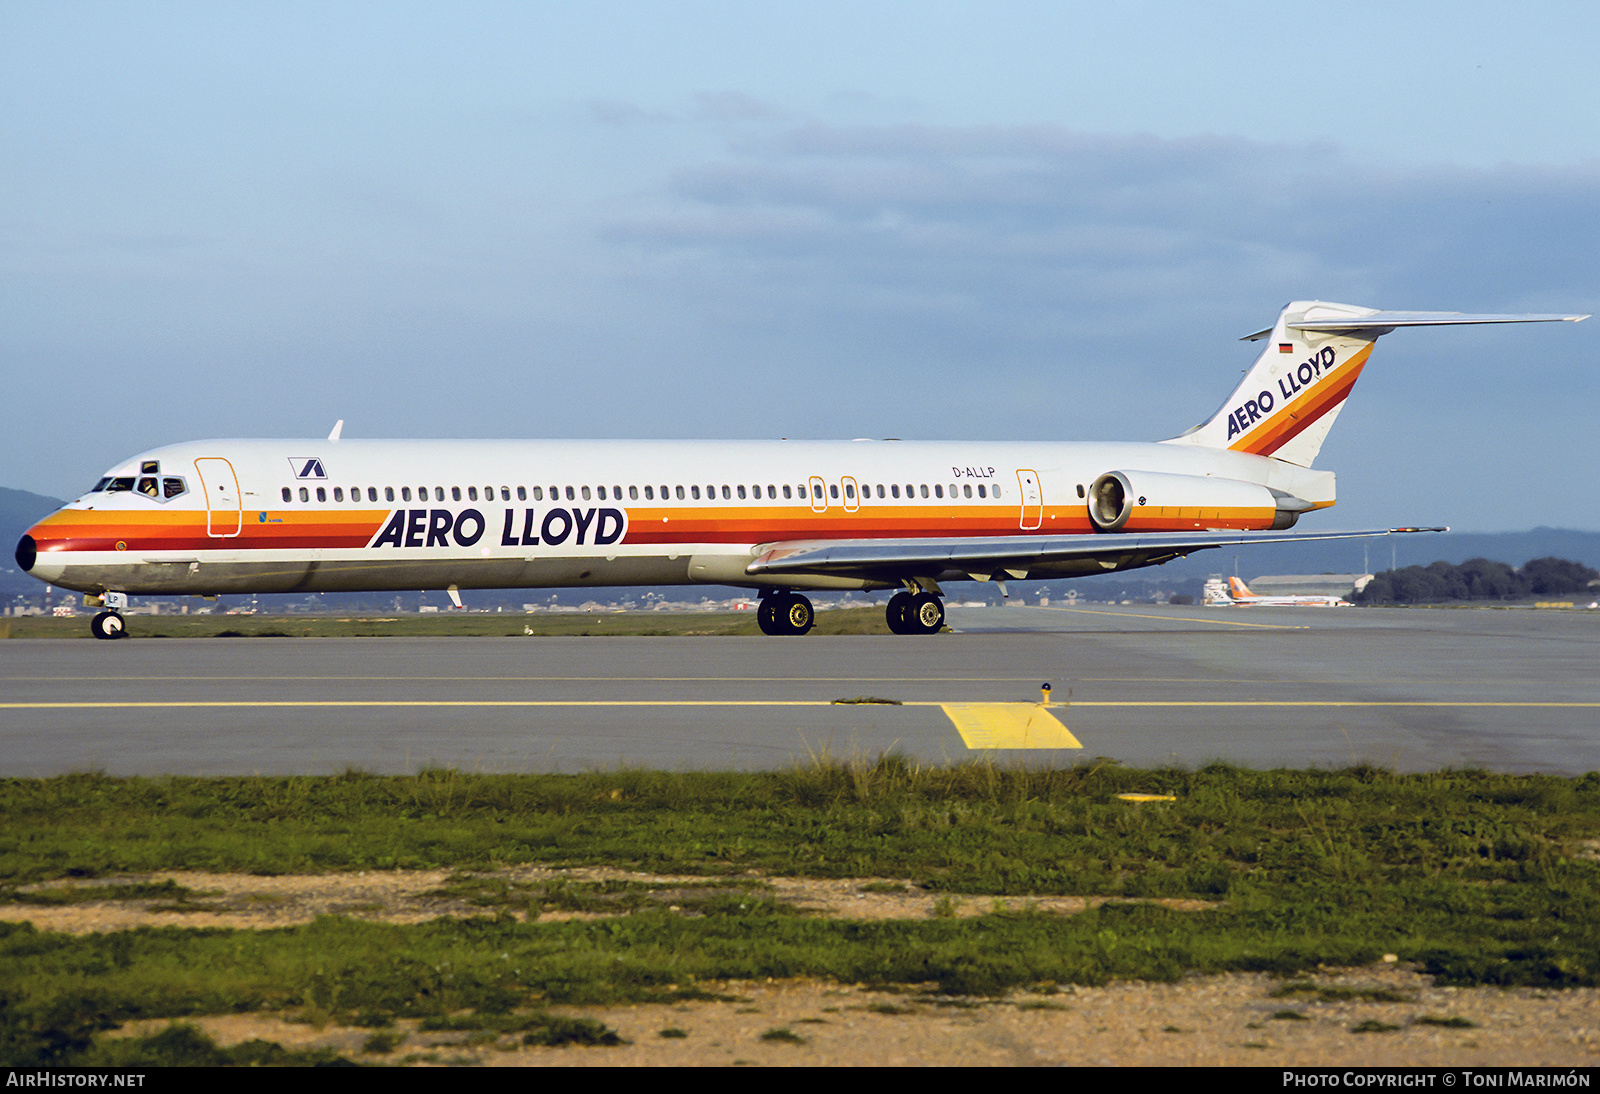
1415 690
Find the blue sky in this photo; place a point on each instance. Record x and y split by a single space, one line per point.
1019 221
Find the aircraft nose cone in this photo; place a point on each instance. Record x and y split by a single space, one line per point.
27 553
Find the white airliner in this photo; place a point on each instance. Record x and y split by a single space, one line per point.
1239 593
246 516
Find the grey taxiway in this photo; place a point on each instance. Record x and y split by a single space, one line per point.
1512 690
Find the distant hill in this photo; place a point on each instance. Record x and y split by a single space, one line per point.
18 512
1345 556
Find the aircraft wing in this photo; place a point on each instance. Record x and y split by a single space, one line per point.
1013 556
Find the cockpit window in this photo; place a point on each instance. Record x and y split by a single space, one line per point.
120 484
172 487
149 488
101 485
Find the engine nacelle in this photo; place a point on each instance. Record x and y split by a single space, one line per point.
1151 501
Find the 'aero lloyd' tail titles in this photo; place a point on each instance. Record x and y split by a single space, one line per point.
778 517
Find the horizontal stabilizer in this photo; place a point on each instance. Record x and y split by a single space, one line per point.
1382 322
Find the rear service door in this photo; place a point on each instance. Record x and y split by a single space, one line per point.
224 515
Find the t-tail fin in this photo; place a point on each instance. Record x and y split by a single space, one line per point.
1315 352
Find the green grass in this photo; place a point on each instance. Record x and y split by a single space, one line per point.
1479 878
443 624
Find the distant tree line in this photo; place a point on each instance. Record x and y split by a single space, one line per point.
1479 579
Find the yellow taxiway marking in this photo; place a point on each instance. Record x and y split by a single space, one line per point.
1009 725
1185 619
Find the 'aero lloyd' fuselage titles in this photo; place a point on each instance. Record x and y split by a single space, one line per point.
1298 379
522 528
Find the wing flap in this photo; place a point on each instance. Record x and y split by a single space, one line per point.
1014 554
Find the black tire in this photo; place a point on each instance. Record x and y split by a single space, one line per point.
798 615
767 614
108 625
898 612
926 614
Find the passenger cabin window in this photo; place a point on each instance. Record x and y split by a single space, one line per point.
522 493
694 492
338 493
680 493
322 494
286 495
786 490
305 495
633 493
388 493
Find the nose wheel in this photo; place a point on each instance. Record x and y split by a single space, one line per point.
108 625
785 613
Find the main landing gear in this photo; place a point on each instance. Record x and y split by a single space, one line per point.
908 613
785 613
915 613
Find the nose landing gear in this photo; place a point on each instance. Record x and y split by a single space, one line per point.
109 623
